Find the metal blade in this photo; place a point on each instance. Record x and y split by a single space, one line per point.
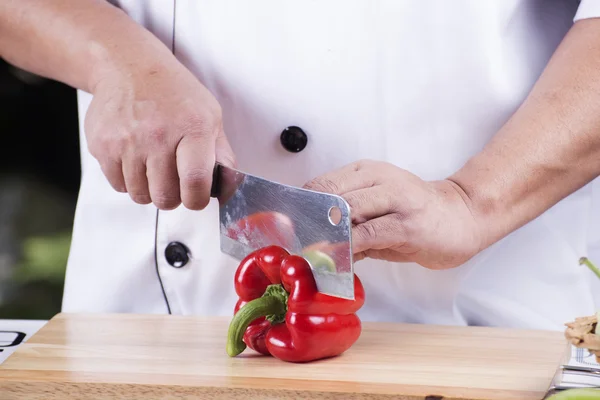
255 212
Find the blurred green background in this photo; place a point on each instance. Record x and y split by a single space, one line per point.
39 182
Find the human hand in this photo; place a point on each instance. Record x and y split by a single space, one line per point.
157 132
397 216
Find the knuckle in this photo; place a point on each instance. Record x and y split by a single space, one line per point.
370 164
166 201
117 144
399 228
205 122
94 148
99 146
210 112
140 198
357 200
109 143
323 185
157 136
360 256
92 135
397 218
196 178
362 164
366 231
117 184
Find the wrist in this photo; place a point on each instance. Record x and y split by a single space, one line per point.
469 236
126 52
486 200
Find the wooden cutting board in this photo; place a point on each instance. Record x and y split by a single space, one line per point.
174 357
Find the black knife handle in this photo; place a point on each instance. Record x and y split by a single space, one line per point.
215 188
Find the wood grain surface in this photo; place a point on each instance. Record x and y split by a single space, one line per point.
96 356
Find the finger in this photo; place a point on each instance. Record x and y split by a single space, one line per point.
224 155
163 181
370 203
136 182
378 234
351 177
386 254
113 171
195 164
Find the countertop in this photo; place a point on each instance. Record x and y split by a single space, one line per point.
124 356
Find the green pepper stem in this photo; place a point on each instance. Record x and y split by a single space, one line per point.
320 261
590 265
273 305
577 394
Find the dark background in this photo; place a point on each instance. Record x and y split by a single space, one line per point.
39 182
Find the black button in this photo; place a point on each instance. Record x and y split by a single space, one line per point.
293 139
177 254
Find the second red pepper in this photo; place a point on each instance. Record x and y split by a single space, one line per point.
281 313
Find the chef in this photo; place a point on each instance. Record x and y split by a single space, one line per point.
465 135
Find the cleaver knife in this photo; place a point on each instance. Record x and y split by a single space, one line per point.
255 212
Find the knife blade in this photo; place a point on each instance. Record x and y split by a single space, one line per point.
255 212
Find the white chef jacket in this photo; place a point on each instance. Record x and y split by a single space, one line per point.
423 84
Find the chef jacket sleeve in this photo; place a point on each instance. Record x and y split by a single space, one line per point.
587 9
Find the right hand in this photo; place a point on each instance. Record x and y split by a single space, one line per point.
157 133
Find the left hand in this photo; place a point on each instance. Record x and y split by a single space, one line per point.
397 216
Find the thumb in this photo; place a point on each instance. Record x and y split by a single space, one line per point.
230 180
223 151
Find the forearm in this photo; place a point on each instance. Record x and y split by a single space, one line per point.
77 42
548 149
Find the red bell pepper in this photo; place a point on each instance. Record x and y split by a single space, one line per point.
281 313
268 228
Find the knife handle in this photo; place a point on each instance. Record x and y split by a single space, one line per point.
215 188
